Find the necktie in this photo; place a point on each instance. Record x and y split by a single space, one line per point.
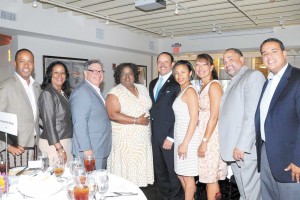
158 88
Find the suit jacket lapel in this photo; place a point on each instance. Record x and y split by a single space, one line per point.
95 92
152 89
281 85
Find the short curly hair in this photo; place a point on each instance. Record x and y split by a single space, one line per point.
119 69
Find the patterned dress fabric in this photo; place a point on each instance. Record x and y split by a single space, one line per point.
189 165
211 167
131 153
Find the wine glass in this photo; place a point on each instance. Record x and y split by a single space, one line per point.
70 188
92 186
74 164
102 182
58 168
89 163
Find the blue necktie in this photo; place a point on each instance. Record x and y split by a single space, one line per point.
158 88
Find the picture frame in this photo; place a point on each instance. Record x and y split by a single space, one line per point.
142 70
74 65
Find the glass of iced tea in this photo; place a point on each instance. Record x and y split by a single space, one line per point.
59 168
89 163
81 192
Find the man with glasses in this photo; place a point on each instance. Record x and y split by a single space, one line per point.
91 125
236 123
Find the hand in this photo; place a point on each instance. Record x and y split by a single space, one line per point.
15 151
167 144
143 120
62 153
238 154
182 151
88 152
202 149
295 172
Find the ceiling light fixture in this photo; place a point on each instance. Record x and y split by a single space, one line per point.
281 22
34 4
176 12
214 28
107 20
164 34
219 30
172 34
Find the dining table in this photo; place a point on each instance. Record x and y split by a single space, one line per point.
36 188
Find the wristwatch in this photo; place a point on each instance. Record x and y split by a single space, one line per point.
204 140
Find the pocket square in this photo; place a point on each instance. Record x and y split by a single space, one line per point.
167 91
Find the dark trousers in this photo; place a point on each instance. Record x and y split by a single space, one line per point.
166 178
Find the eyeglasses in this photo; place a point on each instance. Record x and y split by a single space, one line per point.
95 72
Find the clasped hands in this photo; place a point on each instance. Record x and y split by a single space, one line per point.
143 119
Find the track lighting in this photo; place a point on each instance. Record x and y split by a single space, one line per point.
281 22
214 28
34 4
107 20
176 9
219 30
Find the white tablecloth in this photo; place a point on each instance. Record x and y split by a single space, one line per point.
116 184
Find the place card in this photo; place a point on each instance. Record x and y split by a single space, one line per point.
35 164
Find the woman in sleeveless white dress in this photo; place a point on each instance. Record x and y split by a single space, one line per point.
186 136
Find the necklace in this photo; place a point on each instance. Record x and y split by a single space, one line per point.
184 88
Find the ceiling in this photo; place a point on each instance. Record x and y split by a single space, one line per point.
195 17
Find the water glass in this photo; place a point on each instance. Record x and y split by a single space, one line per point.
80 176
92 186
43 157
102 182
74 164
70 188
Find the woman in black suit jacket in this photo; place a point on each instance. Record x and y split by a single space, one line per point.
55 112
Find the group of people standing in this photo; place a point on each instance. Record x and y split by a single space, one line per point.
173 132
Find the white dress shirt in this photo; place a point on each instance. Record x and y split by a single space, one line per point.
30 94
273 80
97 90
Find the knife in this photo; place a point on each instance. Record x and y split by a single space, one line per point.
20 172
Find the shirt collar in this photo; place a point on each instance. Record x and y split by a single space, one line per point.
279 74
24 82
95 87
166 76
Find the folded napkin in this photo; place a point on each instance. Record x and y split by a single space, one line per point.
41 185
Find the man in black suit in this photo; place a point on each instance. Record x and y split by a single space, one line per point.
163 91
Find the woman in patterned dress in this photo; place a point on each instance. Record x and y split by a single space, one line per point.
211 166
128 105
186 134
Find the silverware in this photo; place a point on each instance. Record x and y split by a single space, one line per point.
20 172
125 193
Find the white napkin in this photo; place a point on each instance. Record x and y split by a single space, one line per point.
41 185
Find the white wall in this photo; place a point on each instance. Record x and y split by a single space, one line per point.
244 40
41 47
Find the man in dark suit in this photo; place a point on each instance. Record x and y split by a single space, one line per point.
277 123
163 91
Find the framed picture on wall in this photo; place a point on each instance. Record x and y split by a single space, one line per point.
74 65
142 74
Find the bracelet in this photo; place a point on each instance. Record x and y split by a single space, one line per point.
134 120
60 148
